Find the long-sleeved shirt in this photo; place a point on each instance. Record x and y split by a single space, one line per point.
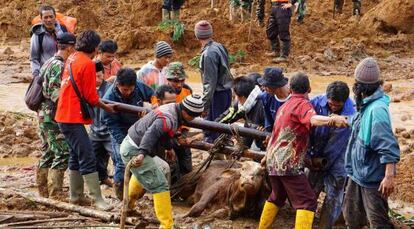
215 71
118 123
151 75
84 74
330 142
51 72
38 56
270 106
156 129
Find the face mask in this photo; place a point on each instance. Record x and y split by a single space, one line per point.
282 100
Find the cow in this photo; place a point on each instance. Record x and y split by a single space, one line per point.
238 190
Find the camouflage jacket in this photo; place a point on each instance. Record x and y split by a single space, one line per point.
51 71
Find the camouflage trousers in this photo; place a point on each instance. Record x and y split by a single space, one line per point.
55 149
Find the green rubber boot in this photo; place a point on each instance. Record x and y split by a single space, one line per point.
92 181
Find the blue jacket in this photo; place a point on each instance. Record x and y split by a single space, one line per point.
270 107
328 142
372 143
119 123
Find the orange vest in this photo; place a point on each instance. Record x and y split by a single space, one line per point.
68 22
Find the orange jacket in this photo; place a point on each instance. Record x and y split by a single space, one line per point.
84 74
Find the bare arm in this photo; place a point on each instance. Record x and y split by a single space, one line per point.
387 184
338 121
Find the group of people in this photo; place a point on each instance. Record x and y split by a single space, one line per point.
347 147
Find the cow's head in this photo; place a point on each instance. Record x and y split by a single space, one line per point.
247 186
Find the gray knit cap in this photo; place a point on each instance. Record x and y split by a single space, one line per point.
162 48
193 105
367 71
203 30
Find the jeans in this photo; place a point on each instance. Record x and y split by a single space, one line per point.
221 101
118 163
103 150
81 156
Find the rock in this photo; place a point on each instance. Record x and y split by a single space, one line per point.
402 141
404 118
320 58
411 132
405 149
399 130
329 55
405 134
387 87
8 51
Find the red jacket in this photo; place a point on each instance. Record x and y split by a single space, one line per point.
84 73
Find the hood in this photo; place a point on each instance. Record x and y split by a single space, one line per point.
39 28
378 95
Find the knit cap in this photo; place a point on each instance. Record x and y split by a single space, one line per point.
203 30
193 105
175 70
367 71
162 48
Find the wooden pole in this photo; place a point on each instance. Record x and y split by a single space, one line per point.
199 123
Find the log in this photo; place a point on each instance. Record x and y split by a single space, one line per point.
105 216
255 155
45 213
198 123
43 221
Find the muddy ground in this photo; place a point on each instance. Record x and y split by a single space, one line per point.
327 48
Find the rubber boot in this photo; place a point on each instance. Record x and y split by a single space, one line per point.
55 183
269 213
163 209
165 15
92 181
304 219
338 6
280 59
76 189
135 192
41 181
175 15
275 49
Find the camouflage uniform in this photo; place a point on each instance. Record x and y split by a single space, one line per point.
54 146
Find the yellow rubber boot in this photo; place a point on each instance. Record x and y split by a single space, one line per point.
135 191
268 215
163 209
304 219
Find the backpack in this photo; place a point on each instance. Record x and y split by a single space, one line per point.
34 93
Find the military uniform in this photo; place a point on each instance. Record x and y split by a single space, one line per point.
54 146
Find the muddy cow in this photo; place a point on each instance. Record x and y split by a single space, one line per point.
239 190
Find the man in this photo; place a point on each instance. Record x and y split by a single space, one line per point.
215 75
145 137
176 76
152 73
106 55
55 155
125 90
329 144
372 152
171 9
276 93
163 95
43 43
248 107
80 73
278 29
285 156
240 10
99 134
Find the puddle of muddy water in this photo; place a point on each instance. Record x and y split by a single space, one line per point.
20 161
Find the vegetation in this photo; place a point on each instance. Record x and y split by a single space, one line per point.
233 58
176 26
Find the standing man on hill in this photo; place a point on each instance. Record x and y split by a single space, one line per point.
278 29
215 75
43 41
171 9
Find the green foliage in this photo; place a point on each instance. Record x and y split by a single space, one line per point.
194 62
233 58
176 26
237 57
401 218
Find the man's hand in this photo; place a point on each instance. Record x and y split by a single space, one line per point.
266 141
287 6
387 186
263 161
137 161
170 155
110 108
141 114
260 128
339 121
